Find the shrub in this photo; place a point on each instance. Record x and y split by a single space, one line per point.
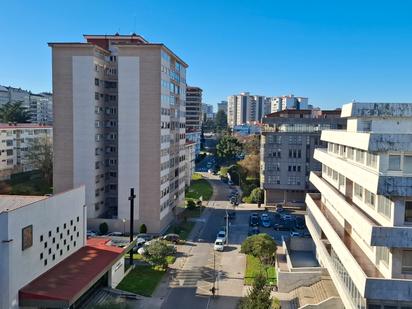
143 229
256 195
190 204
103 228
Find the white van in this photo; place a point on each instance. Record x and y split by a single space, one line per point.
219 244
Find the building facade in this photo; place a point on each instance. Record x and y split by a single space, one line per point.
245 108
37 233
39 106
208 113
222 106
288 102
16 140
190 161
361 219
288 140
194 108
120 124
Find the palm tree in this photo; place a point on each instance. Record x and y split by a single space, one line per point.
14 112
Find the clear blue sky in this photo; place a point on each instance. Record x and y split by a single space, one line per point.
329 52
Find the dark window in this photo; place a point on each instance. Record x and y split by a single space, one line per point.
58 247
78 219
77 234
57 229
64 225
41 256
61 235
71 222
41 238
64 242
49 233
74 243
71 237
75 228
54 257
408 211
68 232
49 250
61 252
45 262
54 240
68 248
45 244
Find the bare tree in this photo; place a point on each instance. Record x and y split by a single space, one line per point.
40 156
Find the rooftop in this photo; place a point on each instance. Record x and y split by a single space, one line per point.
12 202
371 110
68 280
24 126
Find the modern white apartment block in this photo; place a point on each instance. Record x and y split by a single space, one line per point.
39 106
119 122
245 108
361 221
15 142
36 233
288 102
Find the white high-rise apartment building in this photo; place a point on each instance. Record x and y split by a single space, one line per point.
288 102
245 108
120 124
361 221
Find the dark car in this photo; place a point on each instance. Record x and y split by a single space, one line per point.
253 231
283 225
254 219
300 223
174 238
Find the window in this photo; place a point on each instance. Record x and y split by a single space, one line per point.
41 256
360 156
96 96
369 198
45 262
384 206
408 211
382 254
371 160
358 190
407 164
407 261
41 238
350 153
394 163
341 181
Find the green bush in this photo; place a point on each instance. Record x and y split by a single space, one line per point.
143 229
103 228
256 195
190 204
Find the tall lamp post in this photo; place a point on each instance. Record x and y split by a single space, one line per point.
131 199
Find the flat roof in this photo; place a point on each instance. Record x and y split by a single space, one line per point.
12 202
68 280
24 126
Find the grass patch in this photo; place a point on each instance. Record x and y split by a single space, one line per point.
197 176
254 267
199 188
169 259
28 183
142 280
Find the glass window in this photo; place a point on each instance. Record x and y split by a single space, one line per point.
408 211
407 164
360 156
350 152
384 206
371 160
407 261
394 163
358 190
369 198
382 253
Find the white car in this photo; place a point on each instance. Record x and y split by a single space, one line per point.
219 245
221 235
115 234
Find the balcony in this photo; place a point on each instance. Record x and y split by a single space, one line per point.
372 232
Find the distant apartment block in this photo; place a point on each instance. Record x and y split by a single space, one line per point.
208 112
15 142
222 106
190 161
245 108
120 124
288 141
361 219
281 103
193 108
39 106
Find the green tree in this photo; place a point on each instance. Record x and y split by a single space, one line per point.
258 296
158 251
103 228
190 204
256 195
229 147
261 246
221 121
143 228
251 164
14 112
40 156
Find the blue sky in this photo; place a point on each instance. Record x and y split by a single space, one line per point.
330 51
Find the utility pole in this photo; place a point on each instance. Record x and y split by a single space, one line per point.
131 199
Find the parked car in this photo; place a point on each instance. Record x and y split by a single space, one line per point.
219 245
254 219
222 235
174 238
253 231
287 217
295 234
139 243
115 234
300 223
145 236
91 233
230 183
265 220
279 208
281 226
